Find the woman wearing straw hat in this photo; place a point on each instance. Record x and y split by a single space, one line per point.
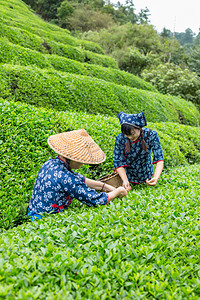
132 153
56 184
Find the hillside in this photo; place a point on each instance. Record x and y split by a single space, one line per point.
44 65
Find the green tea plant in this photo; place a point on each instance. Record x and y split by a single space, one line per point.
65 91
46 45
23 149
145 246
16 13
18 55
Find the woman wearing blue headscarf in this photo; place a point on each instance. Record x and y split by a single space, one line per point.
132 153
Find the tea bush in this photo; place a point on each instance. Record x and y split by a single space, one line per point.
23 149
17 55
31 41
145 246
60 91
21 26
22 21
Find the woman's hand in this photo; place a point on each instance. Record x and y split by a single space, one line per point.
152 181
122 173
126 185
158 171
122 192
118 192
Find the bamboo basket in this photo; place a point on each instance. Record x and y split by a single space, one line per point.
112 179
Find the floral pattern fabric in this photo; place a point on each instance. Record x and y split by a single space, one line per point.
142 168
56 186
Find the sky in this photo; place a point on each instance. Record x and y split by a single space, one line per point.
176 15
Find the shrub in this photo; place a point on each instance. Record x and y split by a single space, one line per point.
47 45
17 55
49 88
171 79
18 14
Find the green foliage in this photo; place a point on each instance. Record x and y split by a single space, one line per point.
143 247
171 79
23 27
49 46
85 19
119 13
23 148
143 37
65 10
132 60
185 38
17 55
46 8
194 59
53 89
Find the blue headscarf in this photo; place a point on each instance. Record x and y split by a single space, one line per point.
136 120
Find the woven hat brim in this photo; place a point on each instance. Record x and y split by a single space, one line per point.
77 145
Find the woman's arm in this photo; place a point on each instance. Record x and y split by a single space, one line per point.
157 173
98 185
112 192
122 173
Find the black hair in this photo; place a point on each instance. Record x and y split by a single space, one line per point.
127 129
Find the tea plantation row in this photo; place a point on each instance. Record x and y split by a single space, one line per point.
145 246
17 36
65 91
46 38
27 28
18 55
23 148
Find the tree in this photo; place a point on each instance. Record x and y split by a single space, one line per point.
166 33
143 16
132 60
194 59
85 19
185 38
47 8
172 52
65 10
125 13
171 79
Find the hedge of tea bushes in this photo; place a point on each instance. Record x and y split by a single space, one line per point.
17 55
53 89
31 41
145 246
23 149
79 54
16 13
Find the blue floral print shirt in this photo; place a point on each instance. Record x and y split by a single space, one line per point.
56 186
142 168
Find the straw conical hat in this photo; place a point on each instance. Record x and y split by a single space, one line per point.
77 145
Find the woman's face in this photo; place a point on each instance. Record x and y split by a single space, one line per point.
135 133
